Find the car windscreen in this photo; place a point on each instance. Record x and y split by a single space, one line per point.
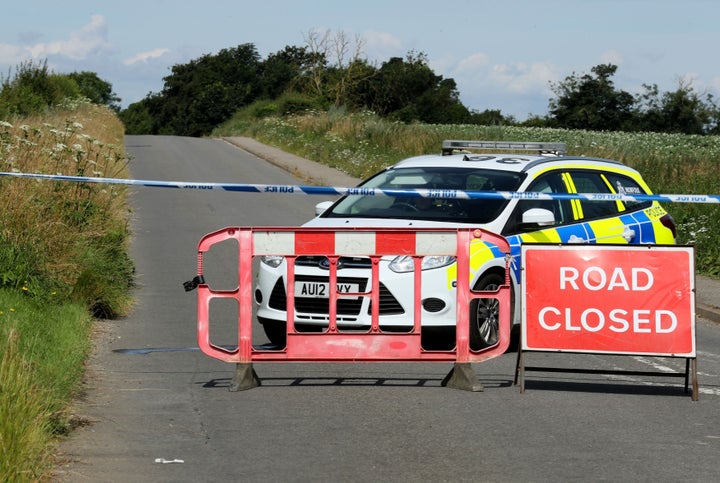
451 209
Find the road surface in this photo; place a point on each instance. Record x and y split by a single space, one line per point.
159 410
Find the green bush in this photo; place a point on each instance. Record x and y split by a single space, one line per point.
265 108
106 276
292 103
34 89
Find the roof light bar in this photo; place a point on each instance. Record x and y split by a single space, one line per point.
557 149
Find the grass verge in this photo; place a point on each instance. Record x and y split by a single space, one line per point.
63 261
43 346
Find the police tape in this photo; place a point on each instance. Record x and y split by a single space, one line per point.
365 191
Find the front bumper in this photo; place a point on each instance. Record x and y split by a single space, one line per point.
397 297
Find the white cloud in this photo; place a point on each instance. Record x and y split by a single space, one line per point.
381 45
473 62
515 88
92 38
145 56
477 72
611 57
714 83
10 54
524 78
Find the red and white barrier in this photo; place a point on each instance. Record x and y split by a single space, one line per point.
333 345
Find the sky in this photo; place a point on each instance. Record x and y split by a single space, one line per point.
502 54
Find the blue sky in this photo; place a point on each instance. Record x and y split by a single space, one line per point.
502 53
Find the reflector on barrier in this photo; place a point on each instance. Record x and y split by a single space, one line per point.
332 344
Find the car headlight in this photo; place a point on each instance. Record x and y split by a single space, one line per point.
406 263
273 261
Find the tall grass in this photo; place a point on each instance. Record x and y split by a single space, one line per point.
42 350
54 234
63 258
25 410
361 144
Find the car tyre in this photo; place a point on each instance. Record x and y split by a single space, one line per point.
275 331
485 313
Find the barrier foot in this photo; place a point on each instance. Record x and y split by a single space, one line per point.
462 376
245 378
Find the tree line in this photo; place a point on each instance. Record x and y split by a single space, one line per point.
34 88
199 95
329 71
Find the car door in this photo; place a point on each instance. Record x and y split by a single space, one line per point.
567 228
605 221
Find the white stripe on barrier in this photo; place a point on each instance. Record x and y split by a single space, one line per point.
342 191
273 242
354 243
435 244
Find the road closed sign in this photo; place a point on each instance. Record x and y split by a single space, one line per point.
615 299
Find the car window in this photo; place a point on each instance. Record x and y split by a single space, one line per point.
593 182
627 186
432 209
547 183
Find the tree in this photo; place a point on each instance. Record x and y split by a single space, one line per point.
591 102
33 89
408 90
491 117
680 111
96 89
336 66
285 70
137 118
203 93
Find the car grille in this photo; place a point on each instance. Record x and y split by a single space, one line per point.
345 306
343 262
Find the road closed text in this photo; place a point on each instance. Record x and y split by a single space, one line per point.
608 299
618 320
640 321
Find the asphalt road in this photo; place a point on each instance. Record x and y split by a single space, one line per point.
159 410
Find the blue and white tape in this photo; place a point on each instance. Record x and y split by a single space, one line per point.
342 191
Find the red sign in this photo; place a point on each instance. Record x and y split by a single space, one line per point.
609 299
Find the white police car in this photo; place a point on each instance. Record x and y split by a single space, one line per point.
547 170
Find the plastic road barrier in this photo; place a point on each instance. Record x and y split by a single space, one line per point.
334 345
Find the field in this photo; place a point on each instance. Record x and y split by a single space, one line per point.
361 144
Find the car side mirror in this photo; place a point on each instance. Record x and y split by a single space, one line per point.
538 217
321 207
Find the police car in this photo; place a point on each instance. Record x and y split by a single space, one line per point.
499 167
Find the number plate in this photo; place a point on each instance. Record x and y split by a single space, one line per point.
321 289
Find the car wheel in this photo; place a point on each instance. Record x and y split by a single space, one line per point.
485 314
275 331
